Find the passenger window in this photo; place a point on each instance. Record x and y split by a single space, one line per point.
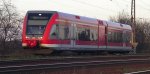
64 32
54 32
115 37
109 36
87 34
83 34
93 35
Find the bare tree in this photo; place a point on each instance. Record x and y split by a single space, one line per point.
122 17
10 24
142 30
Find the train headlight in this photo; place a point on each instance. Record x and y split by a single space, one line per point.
27 37
40 37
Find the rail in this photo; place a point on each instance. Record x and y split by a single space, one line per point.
68 62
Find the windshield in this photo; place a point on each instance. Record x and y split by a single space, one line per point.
37 22
35 29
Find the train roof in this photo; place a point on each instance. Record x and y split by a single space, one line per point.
40 11
117 25
76 18
93 21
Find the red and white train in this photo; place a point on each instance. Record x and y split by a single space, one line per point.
66 32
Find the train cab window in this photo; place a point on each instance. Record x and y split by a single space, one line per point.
36 23
54 32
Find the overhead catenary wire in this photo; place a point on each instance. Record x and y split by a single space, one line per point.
82 9
121 6
143 2
92 5
142 5
119 3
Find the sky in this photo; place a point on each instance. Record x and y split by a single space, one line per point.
100 9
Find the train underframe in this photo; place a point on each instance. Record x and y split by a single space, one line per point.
38 49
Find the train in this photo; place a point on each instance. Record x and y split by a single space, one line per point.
50 31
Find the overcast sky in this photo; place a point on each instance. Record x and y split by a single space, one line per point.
101 9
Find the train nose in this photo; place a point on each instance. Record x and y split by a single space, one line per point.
32 43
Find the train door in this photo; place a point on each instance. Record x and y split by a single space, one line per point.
87 37
102 37
73 35
64 35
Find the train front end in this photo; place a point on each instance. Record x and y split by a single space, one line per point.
34 28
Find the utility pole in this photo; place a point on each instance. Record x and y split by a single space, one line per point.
133 24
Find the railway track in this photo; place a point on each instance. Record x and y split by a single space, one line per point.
140 72
59 59
24 66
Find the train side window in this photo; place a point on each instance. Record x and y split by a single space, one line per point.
83 34
64 32
126 37
121 37
87 34
93 35
113 37
116 37
54 32
109 36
